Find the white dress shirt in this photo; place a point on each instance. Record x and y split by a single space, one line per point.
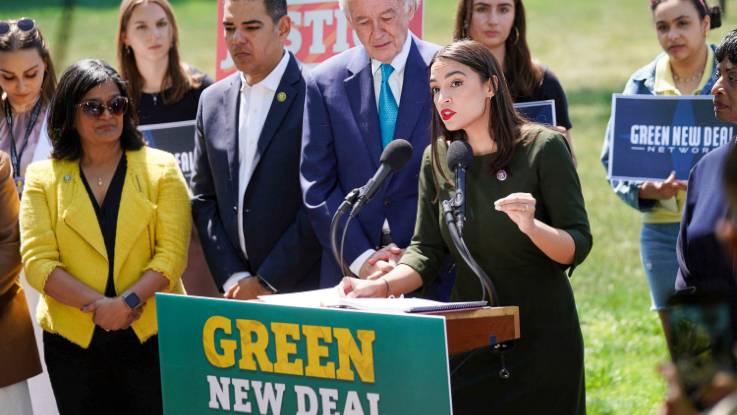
254 108
396 79
396 82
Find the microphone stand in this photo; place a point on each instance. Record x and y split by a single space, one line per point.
458 201
450 212
347 205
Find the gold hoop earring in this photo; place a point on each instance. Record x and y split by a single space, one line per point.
516 36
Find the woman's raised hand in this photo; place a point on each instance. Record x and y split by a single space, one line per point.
520 207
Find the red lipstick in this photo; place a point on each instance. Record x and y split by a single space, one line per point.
447 114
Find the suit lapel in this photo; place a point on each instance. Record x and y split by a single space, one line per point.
135 210
360 90
415 94
279 108
231 105
80 215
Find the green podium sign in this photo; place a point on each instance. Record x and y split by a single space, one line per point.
220 356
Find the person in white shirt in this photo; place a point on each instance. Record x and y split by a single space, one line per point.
246 201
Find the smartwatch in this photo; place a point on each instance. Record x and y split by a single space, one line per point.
132 300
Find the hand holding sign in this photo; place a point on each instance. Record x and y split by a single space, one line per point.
662 190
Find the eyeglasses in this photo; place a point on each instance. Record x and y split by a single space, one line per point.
94 108
24 25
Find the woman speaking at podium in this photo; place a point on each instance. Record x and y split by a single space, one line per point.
525 225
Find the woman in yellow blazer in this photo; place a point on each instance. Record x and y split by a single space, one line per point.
104 226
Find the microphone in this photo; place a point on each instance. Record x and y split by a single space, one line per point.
393 158
460 157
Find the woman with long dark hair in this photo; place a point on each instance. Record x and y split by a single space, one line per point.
501 26
163 88
685 67
526 224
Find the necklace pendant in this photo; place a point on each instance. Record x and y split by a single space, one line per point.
99 182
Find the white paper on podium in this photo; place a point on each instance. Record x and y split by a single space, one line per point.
331 297
313 298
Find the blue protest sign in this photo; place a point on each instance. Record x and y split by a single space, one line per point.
655 135
176 138
542 112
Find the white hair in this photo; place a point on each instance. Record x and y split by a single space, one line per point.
408 5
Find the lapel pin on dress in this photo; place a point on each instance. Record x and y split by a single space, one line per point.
67 178
501 175
281 96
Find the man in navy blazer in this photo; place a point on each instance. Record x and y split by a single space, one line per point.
344 134
247 203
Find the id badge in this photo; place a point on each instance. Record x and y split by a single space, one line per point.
19 182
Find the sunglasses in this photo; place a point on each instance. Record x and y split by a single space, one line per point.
24 25
93 108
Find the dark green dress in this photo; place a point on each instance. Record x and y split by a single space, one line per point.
546 363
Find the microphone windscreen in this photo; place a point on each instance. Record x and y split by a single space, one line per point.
396 154
459 154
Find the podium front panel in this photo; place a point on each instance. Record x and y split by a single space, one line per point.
222 356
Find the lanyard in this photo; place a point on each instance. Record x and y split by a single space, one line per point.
15 154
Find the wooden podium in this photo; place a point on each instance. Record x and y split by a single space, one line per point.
465 329
468 330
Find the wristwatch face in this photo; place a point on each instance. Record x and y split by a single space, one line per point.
132 300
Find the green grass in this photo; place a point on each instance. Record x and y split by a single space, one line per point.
593 47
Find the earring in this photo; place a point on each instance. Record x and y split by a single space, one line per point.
128 49
516 36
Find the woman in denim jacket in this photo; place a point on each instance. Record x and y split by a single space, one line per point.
685 67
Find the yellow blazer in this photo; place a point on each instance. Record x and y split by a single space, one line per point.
59 228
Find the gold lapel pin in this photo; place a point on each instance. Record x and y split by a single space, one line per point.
281 96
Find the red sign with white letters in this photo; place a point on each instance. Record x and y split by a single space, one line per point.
319 30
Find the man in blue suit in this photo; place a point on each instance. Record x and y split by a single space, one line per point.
356 103
247 203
